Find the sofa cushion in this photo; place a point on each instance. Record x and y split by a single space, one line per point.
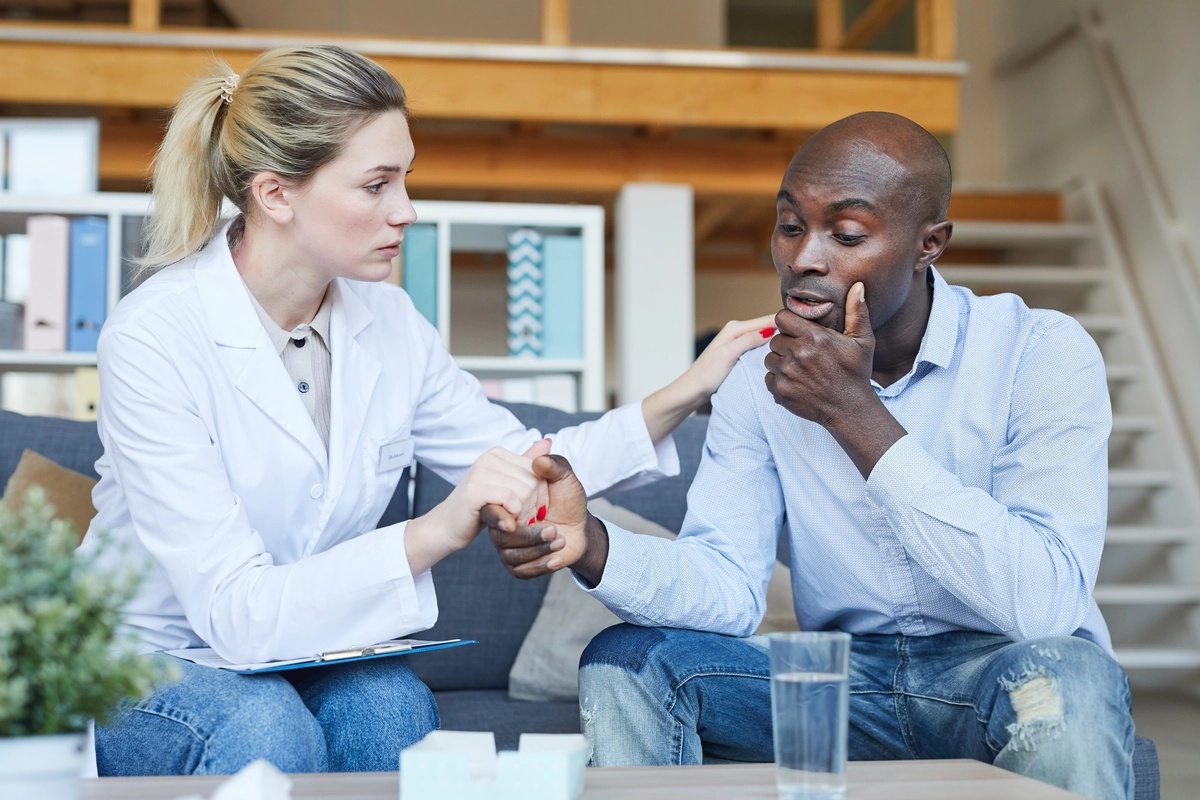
67 442
508 719
68 491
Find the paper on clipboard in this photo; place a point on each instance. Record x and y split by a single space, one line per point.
208 657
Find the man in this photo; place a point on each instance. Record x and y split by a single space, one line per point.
938 463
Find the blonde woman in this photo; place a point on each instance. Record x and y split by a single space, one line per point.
263 392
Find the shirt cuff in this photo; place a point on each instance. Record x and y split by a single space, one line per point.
901 474
416 600
622 572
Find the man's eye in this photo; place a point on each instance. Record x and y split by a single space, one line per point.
789 229
848 238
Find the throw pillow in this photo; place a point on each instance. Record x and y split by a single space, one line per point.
547 665
70 492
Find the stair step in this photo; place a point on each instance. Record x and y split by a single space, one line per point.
1010 234
1120 373
1140 478
1146 594
967 275
1132 423
1101 323
1157 658
1149 534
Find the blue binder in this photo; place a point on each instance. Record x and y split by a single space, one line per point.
562 283
87 282
421 269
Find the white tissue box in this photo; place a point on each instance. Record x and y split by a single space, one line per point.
457 765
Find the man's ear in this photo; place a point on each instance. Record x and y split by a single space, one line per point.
270 194
936 237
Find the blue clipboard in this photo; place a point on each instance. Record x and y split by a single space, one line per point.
206 656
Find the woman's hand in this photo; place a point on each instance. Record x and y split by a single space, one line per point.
502 481
669 406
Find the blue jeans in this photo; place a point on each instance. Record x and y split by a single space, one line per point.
339 718
1053 709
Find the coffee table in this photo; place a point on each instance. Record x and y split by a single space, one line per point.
867 780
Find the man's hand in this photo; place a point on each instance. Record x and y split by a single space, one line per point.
825 376
568 536
814 371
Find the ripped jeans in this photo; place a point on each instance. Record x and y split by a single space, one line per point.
1056 709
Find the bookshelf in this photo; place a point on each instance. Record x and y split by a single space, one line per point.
458 281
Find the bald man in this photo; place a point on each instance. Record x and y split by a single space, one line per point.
938 464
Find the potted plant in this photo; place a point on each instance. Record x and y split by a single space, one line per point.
63 659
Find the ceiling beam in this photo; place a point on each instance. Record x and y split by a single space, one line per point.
750 168
556 22
56 72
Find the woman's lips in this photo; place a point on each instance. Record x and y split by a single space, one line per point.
808 309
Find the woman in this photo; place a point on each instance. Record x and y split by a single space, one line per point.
262 395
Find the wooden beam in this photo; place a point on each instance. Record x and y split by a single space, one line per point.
871 22
830 23
522 164
936 29
56 73
556 22
145 15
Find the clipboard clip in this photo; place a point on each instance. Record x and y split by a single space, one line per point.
359 652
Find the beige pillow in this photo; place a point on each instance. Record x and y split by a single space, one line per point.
547 665
70 492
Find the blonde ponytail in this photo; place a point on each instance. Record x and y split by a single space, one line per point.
289 113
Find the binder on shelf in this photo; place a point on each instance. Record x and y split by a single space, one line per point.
87 282
562 305
133 247
206 656
46 299
420 256
16 268
87 393
10 326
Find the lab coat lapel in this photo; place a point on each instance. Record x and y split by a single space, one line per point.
354 375
245 348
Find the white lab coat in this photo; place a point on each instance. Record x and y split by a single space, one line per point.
261 545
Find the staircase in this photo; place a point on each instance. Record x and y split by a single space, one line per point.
1149 582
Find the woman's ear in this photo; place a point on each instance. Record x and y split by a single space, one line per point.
270 195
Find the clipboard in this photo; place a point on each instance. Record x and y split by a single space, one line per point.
206 656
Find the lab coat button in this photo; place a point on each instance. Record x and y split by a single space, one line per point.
303 387
316 491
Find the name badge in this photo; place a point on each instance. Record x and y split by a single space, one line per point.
395 455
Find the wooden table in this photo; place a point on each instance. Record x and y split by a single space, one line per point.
867 780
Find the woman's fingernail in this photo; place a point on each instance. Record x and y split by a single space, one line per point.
767 333
532 520
541 515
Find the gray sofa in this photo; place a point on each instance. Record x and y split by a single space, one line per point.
476 596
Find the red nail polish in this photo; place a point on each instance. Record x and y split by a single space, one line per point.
531 520
767 333
541 515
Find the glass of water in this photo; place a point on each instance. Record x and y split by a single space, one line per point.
810 708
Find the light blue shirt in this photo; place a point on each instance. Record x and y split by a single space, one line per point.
988 516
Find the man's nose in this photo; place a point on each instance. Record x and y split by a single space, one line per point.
809 255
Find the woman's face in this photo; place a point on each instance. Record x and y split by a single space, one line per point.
348 221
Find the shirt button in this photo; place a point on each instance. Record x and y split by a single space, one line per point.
316 491
303 387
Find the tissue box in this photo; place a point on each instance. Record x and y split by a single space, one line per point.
457 765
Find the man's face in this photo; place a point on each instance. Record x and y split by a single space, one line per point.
843 215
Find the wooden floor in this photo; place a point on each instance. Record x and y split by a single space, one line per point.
1172 720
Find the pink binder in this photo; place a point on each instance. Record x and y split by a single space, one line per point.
46 298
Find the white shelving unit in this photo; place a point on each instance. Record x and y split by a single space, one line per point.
460 226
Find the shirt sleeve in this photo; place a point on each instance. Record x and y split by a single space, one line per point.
714 576
184 511
1026 554
455 423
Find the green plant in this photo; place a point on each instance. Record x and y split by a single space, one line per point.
63 659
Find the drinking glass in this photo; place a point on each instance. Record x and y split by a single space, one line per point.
810 709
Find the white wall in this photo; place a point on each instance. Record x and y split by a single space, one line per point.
1051 123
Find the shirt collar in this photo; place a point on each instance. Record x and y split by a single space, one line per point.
280 338
941 332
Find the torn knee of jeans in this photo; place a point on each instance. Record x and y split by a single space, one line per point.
587 725
1038 706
